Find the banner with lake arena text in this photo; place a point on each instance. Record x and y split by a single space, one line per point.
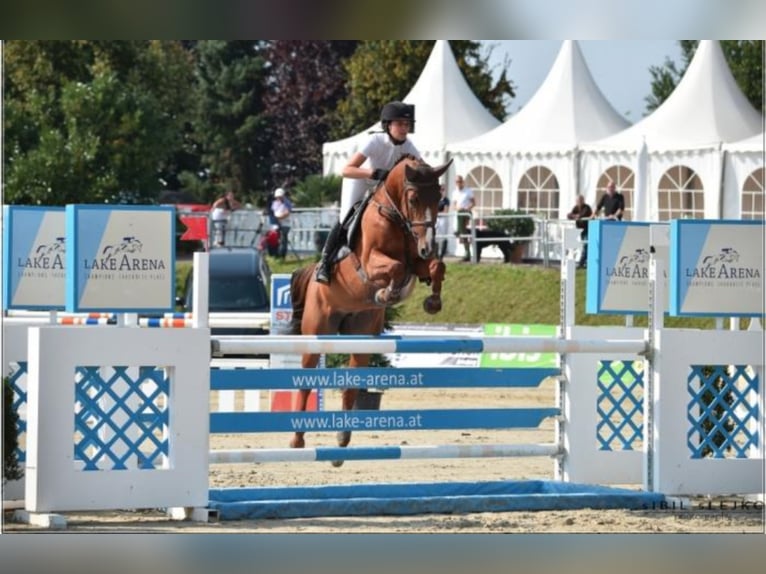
34 257
716 268
120 258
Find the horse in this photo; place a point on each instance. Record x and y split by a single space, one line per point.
396 246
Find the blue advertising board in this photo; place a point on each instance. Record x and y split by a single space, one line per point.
716 268
120 258
34 257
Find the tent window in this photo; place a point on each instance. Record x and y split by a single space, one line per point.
539 192
680 195
752 195
487 190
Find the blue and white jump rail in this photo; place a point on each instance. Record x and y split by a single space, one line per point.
397 344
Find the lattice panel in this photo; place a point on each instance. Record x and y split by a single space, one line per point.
619 405
121 418
723 411
18 381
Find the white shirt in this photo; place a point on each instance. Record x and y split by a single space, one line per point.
281 212
381 153
463 198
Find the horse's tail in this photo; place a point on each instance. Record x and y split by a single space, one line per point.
299 283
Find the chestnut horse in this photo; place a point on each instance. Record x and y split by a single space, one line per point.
396 246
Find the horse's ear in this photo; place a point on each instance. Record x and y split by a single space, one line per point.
439 171
410 173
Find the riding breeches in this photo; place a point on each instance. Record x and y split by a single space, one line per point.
352 191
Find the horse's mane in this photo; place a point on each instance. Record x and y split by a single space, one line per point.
407 156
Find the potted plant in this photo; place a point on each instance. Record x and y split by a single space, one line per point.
520 225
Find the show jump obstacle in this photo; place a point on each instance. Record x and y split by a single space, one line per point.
678 411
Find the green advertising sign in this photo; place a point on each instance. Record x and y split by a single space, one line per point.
519 360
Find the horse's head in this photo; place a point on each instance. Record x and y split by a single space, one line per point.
414 189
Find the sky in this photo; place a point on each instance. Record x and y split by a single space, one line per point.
619 67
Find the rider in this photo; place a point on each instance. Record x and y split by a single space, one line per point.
373 162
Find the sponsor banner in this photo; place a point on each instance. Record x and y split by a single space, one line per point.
34 257
716 268
281 319
519 360
281 304
120 258
421 360
617 279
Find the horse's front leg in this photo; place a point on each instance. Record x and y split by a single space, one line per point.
432 271
308 361
382 270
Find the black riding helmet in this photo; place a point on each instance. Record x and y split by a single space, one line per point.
397 111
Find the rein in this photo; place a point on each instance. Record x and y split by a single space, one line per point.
393 213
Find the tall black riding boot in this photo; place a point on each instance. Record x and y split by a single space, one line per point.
324 268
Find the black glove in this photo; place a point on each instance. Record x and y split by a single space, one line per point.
379 174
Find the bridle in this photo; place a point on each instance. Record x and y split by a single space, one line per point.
394 214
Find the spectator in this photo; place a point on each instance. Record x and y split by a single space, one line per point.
612 202
463 202
581 213
282 207
442 223
219 214
270 241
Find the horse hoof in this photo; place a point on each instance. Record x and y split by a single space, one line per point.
343 438
432 305
337 463
297 443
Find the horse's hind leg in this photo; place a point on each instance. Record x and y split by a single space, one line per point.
307 362
348 398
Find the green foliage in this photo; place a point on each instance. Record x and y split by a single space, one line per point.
718 415
230 122
92 122
11 468
317 191
305 80
520 225
745 60
385 70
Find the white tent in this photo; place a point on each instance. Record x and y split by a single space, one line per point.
706 110
567 109
741 175
446 110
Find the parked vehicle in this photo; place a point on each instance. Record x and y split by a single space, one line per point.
239 280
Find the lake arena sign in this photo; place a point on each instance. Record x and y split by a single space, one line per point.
120 258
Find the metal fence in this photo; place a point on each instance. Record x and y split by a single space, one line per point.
309 228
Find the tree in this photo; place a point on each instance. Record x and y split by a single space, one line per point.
230 123
305 82
92 122
385 70
317 191
745 59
